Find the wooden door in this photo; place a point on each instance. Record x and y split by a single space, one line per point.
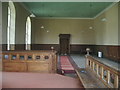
64 41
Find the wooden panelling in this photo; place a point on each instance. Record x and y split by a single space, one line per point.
109 51
38 67
74 48
119 52
80 48
44 46
4 47
30 61
17 47
20 47
0 47
15 67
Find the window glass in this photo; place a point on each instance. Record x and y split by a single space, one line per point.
28 34
11 27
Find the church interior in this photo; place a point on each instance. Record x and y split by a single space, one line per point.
59 45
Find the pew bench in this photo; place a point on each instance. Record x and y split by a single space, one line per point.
106 71
99 73
88 79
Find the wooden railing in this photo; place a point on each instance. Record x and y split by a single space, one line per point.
30 61
108 75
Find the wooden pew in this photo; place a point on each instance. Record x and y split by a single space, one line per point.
30 61
98 74
108 75
88 79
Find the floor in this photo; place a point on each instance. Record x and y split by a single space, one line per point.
79 60
38 80
71 75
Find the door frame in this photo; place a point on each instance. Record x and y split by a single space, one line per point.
66 36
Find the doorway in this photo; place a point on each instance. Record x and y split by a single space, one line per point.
64 42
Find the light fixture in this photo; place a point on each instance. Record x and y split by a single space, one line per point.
47 30
90 27
42 27
32 15
103 19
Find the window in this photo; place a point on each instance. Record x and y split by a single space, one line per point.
28 34
11 27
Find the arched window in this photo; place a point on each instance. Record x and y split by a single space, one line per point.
28 34
11 27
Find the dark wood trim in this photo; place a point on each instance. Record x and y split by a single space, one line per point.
81 48
44 46
109 51
64 43
0 47
4 47
19 46
64 35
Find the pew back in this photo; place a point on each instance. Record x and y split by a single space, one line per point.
30 61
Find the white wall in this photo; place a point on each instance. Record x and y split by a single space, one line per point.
107 31
78 28
20 25
4 22
103 33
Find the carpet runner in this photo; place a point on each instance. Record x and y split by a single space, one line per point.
66 66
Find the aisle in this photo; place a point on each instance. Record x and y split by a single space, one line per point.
66 66
79 59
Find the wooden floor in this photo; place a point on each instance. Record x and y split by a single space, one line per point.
89 80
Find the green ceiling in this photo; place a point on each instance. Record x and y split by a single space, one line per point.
66 9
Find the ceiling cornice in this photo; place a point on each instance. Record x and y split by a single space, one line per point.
62 18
